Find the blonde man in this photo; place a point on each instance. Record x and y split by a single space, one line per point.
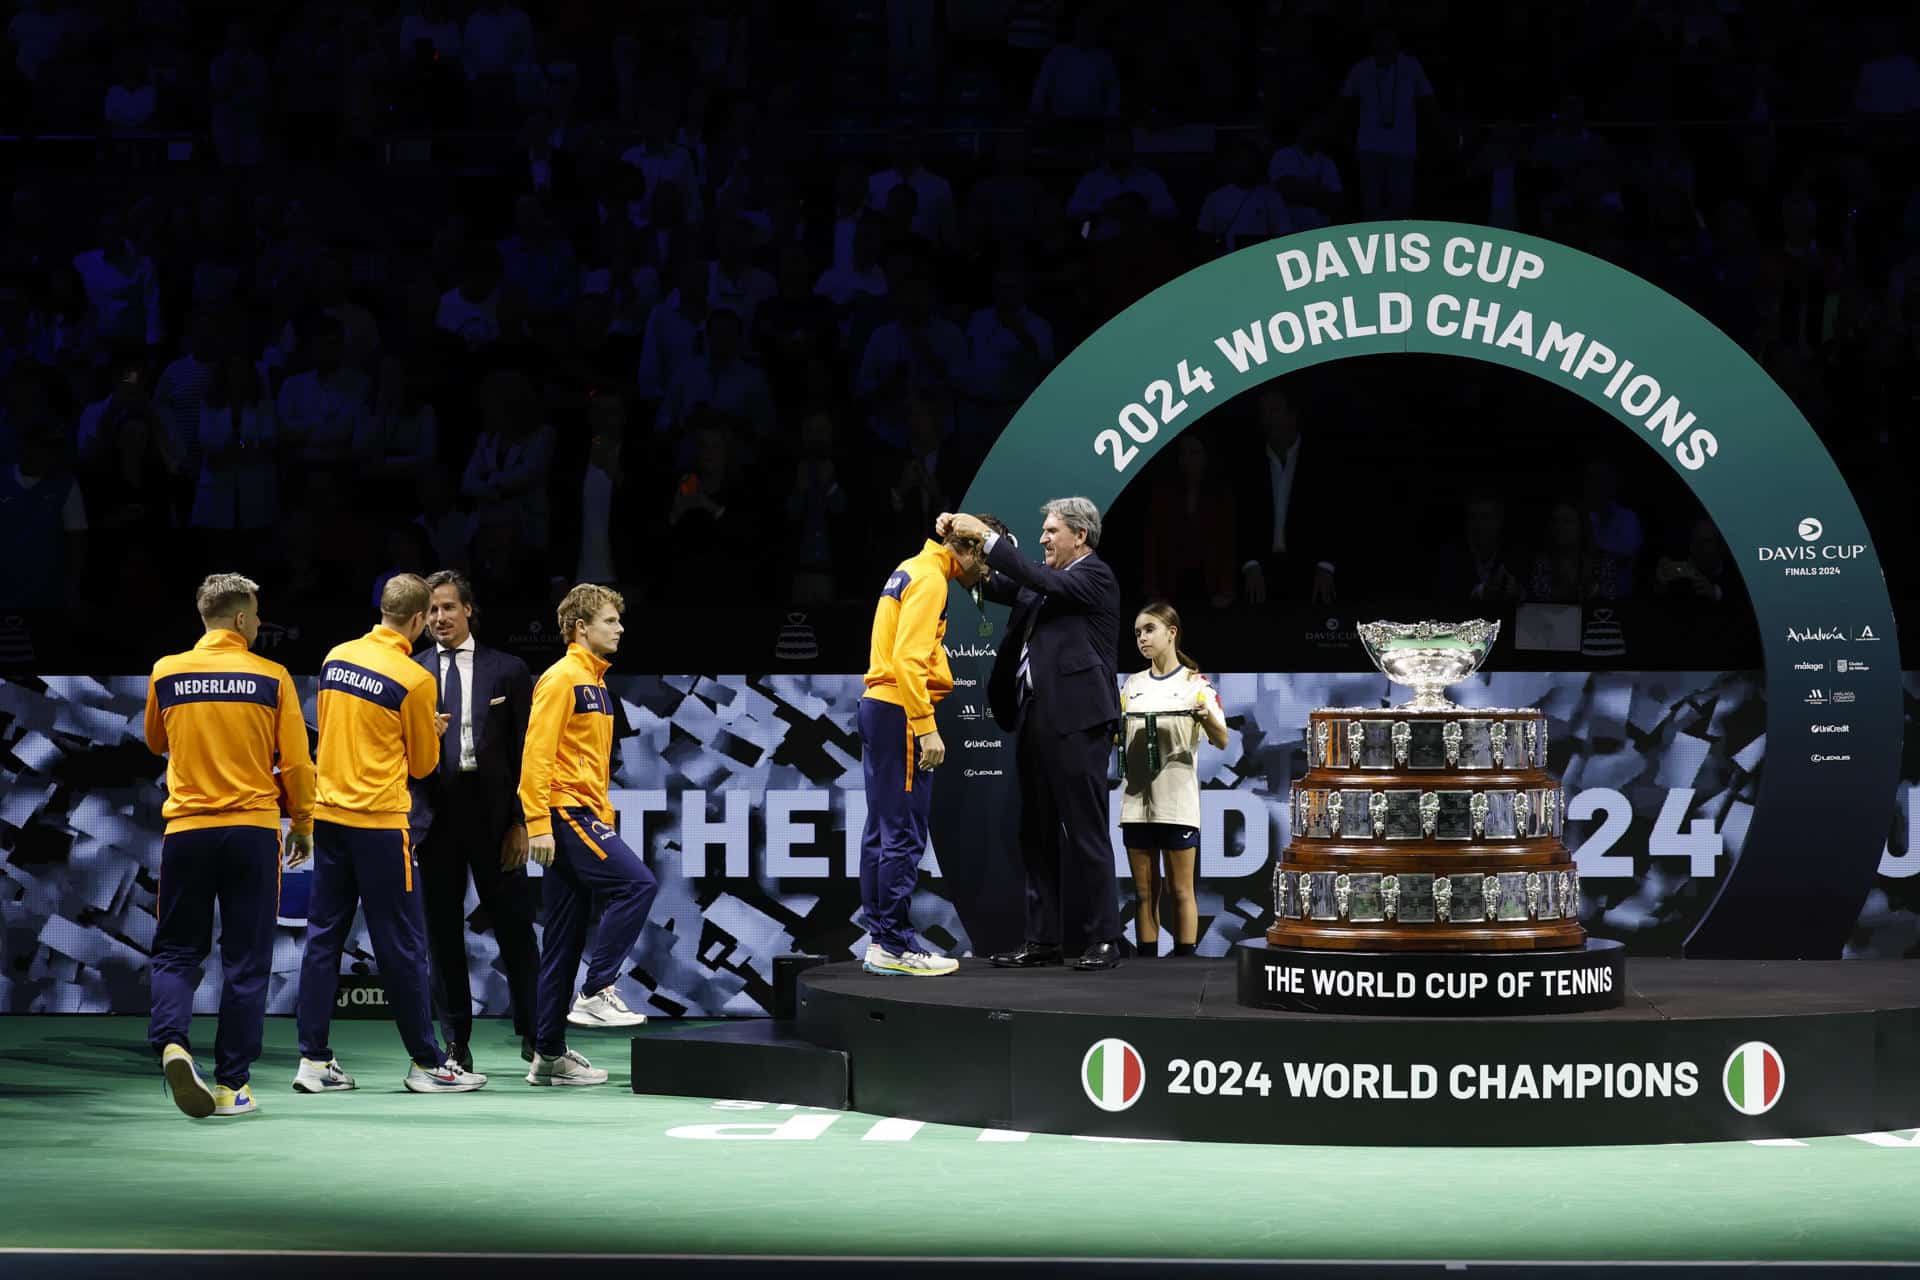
563 791
378 728
224 718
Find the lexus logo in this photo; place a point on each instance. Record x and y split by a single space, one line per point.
1811 529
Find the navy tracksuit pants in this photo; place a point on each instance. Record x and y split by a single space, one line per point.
899 803
589 858
239 869
372 869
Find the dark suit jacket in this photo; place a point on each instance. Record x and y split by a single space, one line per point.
1075 614
1319 527
502 698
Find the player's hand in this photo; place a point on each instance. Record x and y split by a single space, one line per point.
440 719
513 848
299 848
932 751
540 850
943 524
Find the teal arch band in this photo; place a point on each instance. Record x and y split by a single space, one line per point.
1816 835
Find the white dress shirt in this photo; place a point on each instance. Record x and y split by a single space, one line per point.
464 656
1281 469
1026 646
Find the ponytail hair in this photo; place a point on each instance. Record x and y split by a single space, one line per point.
1169 618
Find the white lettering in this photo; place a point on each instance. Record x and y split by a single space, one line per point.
1294 269
697 832
783 833
1413 251
1597 358
1248 346
1559 341
793 1129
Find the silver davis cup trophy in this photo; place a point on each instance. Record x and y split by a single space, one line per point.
1427 826
1428 656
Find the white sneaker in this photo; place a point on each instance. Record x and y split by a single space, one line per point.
911 964
189 1092
604 1008
445 1078
321 1077
567 1069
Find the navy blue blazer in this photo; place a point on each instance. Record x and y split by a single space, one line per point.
1075 615
502 698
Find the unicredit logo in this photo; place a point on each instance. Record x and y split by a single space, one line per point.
1833 728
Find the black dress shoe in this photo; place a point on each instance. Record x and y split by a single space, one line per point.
526 1048
457 1051
1101 955
1031 955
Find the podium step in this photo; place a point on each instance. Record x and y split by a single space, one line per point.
752 1059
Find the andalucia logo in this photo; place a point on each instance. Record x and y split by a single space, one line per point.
1754 1078
1113 1075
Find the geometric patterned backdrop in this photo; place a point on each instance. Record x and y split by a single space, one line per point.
744 793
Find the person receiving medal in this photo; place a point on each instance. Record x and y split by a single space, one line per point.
1165 710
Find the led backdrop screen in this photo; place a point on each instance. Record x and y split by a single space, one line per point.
744 793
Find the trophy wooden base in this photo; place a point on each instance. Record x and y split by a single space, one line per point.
1423 831
1492 936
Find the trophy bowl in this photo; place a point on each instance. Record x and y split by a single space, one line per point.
1428 656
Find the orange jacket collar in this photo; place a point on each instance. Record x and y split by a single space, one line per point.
593 662
386 635
223 638
944 554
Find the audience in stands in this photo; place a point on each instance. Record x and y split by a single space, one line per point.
588 291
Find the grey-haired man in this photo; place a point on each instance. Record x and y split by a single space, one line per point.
1055 688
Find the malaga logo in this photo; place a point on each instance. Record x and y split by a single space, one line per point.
1754 1078
1113 1075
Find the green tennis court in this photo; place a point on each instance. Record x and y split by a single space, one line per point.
101 1160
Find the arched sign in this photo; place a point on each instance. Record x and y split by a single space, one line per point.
1672 379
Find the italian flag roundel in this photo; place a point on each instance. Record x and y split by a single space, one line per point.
1754 1078
1113 1075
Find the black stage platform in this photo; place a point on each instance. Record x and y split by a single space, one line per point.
1699 1050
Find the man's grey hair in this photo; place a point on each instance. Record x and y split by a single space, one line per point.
224 594
1078 514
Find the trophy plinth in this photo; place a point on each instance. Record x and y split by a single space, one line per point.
1427 826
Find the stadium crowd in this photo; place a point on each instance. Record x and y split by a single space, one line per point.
675 297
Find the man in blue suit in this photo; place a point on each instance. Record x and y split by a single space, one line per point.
465 817
1055 687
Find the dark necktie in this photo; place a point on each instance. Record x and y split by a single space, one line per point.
1023 674
450 699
